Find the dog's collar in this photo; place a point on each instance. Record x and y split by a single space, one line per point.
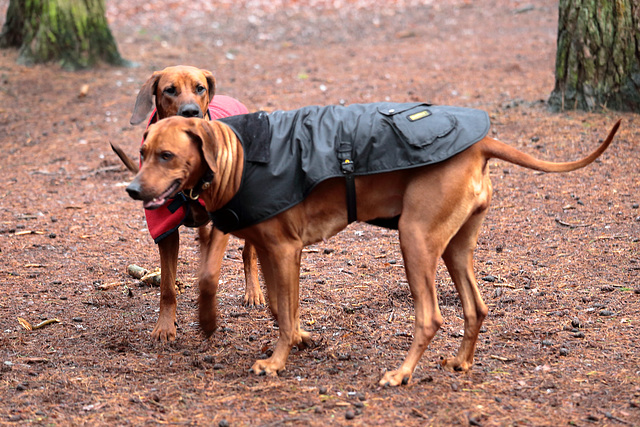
203 184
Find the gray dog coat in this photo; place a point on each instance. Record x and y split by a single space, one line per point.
288 153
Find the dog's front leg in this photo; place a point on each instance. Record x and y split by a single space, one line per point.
281 268
165 329
213 246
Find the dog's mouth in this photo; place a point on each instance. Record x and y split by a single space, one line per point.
160 200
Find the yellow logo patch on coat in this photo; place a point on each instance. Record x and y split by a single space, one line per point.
419 115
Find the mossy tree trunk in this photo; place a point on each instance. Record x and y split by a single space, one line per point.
598 58
73 32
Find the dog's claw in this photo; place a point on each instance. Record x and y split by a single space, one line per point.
253 299
253 296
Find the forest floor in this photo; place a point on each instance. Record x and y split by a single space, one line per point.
557 260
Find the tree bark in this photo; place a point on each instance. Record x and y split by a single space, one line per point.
598 60
13 28
73 32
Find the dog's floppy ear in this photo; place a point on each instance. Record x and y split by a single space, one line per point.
204 133
211 82
144 101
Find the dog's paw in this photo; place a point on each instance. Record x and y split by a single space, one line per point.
164 331
306 341
455 365
254 298
395 378
263 367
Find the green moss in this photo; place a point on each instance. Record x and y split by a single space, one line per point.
72 32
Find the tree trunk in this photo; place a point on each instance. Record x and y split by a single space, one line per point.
73 32
598 60
13 28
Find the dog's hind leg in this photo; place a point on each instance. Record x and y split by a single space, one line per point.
458 258
420 258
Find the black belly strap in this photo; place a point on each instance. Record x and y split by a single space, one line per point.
347 166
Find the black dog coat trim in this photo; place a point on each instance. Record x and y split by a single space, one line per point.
288 153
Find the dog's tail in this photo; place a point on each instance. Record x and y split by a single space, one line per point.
128 162
500 150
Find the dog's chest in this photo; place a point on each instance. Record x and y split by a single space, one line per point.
289 152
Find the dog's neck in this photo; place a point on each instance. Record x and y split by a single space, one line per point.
227 175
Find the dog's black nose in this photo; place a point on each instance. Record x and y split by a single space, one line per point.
190 110
134 190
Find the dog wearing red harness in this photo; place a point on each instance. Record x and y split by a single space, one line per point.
189 92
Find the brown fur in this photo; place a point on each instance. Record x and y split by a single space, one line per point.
173 88
441 208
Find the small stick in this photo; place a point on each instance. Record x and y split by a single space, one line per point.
29 327
24 233
107 286
417 413
504 285
566 224
500 358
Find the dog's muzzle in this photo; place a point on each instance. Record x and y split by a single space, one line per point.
190 111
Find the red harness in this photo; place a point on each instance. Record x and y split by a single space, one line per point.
165 220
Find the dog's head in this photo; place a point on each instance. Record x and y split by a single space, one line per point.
175 154
179 91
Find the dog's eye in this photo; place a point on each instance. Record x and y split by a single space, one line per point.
170 91
200 89
166 155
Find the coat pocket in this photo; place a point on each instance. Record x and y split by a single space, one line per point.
417 124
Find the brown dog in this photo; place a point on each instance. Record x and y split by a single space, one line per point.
438 210
184 91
